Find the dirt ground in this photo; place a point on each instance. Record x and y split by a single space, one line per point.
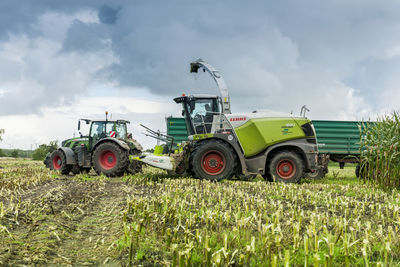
64 221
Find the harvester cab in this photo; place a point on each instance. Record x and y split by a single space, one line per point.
201 112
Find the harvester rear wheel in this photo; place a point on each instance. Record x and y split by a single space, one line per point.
110 159
58 162
287 167
213 160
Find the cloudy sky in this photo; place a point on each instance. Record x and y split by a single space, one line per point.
63 60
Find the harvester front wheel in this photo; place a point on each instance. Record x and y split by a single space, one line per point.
213 160
319 173
58 162
287 167
110 159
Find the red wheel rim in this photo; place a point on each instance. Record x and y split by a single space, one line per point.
213 162
57 162
286 169
108 160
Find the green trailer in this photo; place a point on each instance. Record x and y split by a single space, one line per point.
339 139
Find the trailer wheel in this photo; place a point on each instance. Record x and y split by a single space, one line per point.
58 162
213 160
357 171
110 159
287 167
362 171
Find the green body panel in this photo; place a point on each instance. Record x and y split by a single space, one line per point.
259 133
202 136
338 137
176 127
73 142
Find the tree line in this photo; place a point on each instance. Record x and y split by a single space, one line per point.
37 154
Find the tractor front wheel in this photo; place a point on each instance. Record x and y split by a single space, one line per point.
110 159
287 167
58 162
213 160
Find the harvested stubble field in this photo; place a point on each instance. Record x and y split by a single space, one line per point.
152 219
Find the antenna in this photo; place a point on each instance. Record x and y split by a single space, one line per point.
303 111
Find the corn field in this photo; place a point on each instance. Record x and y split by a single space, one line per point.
153 219
380 151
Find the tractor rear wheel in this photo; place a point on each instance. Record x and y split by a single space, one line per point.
110 159
287 167
213 160
58 162
134 167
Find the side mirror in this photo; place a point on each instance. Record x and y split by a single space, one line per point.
129 135
183 113
79 125
87 122
80 134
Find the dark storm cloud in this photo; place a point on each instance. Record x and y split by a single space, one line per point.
84 37
108 15
266 50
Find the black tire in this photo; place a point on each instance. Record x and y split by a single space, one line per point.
357 171
47 161
134 167
76 169
317 174
180 170
213 160
267 176
58 162
110 159
287 167
362 171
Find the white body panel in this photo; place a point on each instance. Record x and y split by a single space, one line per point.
239 119
162 162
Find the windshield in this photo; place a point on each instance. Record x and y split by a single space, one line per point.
203 107
101 129
201 113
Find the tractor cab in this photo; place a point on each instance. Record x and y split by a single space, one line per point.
201 112
102 129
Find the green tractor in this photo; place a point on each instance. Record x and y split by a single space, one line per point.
222 145
107 149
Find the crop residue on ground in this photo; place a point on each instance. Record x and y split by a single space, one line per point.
153 219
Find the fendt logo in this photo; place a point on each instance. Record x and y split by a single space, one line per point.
238 119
